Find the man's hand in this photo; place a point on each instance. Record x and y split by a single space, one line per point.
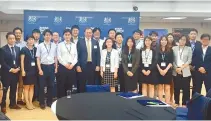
179 70
202 70
70 67
115 75
67 66
78 68
97 68
23 73
16 70
40 72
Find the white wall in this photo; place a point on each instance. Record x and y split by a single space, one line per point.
6 26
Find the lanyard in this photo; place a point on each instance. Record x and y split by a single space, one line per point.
146 55
180 53
163 56
67 48
107 56
129 57
119 51
31 53
48 51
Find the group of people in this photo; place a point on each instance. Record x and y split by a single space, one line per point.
150 66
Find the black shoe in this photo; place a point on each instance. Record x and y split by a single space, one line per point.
42 107
15 107
21 103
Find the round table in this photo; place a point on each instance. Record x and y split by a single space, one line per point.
108 106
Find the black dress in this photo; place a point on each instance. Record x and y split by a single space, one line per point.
165 57
108 76
30 66
148 62
131 81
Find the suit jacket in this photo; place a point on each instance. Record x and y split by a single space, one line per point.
186 57
114 59
198 59
197 46
82 53
135 61
7 61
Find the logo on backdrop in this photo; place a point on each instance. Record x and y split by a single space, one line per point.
121 30
57 20
83 20
32 19
42 28
131 20
107 21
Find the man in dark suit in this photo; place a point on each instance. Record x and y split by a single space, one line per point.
10 71
194 44
202 64
88 60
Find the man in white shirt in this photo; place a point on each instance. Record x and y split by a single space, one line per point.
56 38
47 66
75 33
68 57
137 35
19 43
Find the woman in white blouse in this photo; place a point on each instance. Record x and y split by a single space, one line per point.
109 64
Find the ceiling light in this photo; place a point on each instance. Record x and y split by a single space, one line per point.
175 18
207 19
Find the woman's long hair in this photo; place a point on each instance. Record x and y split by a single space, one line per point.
126 48
147 37
167 47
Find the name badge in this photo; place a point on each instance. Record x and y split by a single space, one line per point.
146 65
163 64
14 62
107 66
32 63
49 58
95 47
129 64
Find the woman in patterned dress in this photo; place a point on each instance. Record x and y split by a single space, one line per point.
109 64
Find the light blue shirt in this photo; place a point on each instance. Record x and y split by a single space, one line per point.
20 44
46 53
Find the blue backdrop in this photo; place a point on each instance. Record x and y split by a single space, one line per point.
57 21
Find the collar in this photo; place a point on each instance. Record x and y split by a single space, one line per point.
118 46
193 41
204 47
66 42
37 41
11 45
87 39
46 43
75 38
18 42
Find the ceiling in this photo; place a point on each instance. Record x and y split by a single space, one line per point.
150 11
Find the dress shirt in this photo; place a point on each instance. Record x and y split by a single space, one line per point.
139 44
90 44
192 43
20 44
204 49
119 49
67 53
36 43
11 49
47 53
75 40
147 56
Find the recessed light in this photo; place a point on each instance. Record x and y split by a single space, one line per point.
175 18
207 19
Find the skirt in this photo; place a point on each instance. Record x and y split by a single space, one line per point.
108 78
131 82
30 78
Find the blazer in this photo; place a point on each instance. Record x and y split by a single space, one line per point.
82 53
135 61
114 59
186 58
7 61
198 59
197 46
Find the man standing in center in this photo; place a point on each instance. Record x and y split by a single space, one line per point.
88 60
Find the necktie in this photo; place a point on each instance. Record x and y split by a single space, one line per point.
89 59
13 53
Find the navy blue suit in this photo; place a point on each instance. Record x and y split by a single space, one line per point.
88 68
199 62
9 79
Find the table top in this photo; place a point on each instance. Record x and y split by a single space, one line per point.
109 106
